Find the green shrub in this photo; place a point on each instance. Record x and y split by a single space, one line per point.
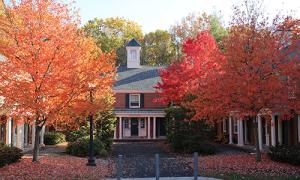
2 143
72 136
81 147
186 136
104 125
51 138
9 155
287 154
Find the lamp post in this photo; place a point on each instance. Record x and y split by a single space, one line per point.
91 159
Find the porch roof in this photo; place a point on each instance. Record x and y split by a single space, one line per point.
140 112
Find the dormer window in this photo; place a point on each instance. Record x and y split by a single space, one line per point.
133 54
134 101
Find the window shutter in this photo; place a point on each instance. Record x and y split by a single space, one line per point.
127 100
142 100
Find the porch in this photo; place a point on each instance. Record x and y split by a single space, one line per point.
140 124
270 133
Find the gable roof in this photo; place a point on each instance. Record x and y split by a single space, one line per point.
139 79
133 42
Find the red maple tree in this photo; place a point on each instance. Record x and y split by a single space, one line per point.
255 75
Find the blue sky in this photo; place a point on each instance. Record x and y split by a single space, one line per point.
160 14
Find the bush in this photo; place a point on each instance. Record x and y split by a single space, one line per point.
104 125
191 144
221 138
188 136
51 138
81 147
9 155
72 136
287 154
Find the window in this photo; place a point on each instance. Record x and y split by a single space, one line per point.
235 127
224 126
133 54
292 88
142 123
134 100
126 123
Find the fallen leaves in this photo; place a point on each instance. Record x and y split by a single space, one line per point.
58 167
245 164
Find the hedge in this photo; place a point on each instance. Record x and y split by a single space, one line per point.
287 154
52 138
81 147
9 154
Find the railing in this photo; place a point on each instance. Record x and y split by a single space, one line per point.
157 169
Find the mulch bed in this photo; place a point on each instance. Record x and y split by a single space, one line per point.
57 167
245 164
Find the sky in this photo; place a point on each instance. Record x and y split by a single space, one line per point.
160 14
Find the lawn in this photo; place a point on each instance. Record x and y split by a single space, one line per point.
57 167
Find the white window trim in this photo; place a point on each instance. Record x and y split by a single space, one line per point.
128 120
235 124
224 126
133 54
140 123
139 101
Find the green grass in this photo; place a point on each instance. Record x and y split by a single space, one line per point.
233 176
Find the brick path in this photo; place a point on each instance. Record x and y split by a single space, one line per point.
139 160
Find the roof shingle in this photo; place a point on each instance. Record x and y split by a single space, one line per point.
144 78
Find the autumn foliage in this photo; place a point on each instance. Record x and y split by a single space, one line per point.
50 67
188 74
256 72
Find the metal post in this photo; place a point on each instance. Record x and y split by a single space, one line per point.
157 166
119 168
91 159
195 166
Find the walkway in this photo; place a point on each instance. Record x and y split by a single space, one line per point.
139 160
58 149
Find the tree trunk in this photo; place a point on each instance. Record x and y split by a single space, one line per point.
36 146
258 153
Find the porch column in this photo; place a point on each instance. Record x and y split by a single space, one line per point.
8 132
20 136
267 134
115 132
154 127
273 135
240 133
148 127
298 128
279 132
33 134
120 128
230 130
25 135
259 131
246 133
42 133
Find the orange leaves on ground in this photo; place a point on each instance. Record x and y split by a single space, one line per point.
58 167
245 164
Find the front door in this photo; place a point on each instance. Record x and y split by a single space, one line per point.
134 127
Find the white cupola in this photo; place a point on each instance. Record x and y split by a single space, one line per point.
133 49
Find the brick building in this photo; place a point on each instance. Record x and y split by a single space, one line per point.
139 116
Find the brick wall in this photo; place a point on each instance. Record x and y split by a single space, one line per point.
148 101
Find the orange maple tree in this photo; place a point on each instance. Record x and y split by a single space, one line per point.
50 67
